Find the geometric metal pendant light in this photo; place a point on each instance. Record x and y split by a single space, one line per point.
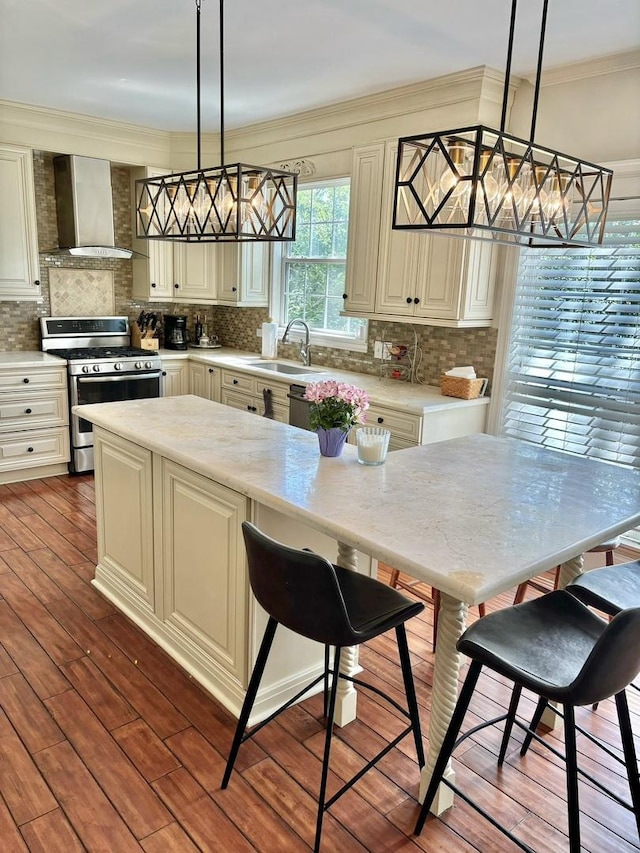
485 184
232 203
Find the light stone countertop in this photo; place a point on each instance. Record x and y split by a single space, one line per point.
473 516
29 358
402 396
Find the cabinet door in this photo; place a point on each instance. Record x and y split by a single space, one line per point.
203 565
19 276
124 505
204 381
152 275
364 229
244 275
175 377
195 270
396 291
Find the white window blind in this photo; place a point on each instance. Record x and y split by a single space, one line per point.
573 372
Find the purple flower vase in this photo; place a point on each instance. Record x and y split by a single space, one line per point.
331 441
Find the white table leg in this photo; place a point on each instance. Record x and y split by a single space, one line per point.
453 616
568 571
347 698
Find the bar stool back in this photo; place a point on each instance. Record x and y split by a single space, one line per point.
558 648
333 606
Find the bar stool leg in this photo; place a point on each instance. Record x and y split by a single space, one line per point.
630 759
533 725
410 691
508 724
448 743
573 806
322 794
436 615
250 697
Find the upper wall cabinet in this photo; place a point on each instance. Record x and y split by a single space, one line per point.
244 275
422 278
152 275
19 271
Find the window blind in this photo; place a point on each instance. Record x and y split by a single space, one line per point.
573 368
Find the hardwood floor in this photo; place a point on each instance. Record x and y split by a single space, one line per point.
106 745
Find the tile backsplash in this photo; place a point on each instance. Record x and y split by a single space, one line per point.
236 327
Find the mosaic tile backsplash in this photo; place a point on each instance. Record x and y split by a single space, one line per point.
235 327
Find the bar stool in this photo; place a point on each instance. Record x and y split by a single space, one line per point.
558 648
607 548
333 606
414 586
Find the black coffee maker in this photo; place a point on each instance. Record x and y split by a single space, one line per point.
175 331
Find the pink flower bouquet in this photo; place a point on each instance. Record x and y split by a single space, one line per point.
336 405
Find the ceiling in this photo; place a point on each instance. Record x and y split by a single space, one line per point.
135 61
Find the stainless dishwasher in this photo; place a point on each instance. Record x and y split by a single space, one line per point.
298 407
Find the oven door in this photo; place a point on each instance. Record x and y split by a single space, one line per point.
108 389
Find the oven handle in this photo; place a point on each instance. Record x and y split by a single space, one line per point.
93 380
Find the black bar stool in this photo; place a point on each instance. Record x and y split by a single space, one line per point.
333 606
558 648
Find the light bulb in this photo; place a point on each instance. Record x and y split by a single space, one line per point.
451 183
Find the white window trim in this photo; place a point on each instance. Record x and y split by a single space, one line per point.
334 340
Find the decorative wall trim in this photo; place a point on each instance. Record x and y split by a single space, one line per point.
304 168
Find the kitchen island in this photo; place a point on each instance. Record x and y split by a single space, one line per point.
474 516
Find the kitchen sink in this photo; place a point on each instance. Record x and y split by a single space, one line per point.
276 367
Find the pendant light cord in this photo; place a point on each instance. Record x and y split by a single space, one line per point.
543 27
507 70
198 2
222 81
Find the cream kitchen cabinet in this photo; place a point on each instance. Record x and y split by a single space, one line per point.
175 376
34 422
204 380
420 278
244 275
153 277
19 270
196 269
246 392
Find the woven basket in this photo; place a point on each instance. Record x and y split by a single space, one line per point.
466 389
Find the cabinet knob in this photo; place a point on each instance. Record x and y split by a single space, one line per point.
164 372
176 286
416 301
211 370
409 300
380 420
235 381
37 282
153 284
27 411
233 289
345 295
29 449
26 380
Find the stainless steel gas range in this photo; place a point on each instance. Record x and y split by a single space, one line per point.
102 367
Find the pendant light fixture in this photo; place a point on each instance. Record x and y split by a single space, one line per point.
228 203
485 184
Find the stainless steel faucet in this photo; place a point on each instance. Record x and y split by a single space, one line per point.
305 347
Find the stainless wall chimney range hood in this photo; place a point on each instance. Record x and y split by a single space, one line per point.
85 209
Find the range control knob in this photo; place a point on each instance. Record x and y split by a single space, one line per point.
86 368
148 365
96 368
117 365
138 365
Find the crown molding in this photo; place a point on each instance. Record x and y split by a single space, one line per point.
612 63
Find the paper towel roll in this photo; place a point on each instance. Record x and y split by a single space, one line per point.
269 340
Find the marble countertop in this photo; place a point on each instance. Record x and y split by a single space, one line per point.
402 396
473 516
29 358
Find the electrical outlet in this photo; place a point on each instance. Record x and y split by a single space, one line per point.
386 350
377 349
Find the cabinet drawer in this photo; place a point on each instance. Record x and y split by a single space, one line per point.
278 392
238 382
402 425
29 448
240 401
32 411
12 379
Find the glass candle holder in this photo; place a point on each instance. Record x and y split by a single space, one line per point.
373 443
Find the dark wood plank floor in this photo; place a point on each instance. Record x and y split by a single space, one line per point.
106 745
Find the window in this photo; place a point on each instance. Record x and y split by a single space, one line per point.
572 379
310 272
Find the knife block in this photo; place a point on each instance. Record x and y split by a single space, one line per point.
144 343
